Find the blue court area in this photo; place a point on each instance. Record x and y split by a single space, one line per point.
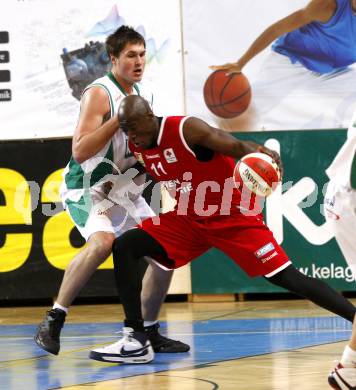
25 366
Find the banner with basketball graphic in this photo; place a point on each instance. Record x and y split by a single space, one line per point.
285 92
49 52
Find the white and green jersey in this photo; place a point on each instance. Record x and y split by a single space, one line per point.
342 169
79 178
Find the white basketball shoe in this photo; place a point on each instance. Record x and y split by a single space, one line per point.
134 347
343 378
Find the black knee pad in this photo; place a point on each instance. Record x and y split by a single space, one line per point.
138 243
126 240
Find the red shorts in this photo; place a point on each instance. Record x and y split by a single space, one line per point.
246 239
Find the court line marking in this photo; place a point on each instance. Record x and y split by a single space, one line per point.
215 385
197 366
88 348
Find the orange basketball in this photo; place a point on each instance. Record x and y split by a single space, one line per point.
227 96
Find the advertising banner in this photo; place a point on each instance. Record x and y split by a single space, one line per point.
294 212
34 229
49 51
37 237
306 82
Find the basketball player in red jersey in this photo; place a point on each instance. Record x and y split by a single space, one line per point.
196 163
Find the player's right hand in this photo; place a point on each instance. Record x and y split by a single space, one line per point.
276 157
230 67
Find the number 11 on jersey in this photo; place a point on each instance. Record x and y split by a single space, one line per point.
158 169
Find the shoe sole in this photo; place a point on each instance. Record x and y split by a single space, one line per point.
44 347
170 347
168 350
332 382
119 359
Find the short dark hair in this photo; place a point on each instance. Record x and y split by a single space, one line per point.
116 41
132 107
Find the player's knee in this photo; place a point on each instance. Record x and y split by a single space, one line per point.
100 249
293 280
125 244
284 278
160 274
135 244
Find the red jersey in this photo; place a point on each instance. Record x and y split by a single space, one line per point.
201 188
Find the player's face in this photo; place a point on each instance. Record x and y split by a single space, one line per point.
130 64
143 132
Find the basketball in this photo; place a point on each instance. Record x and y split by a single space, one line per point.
258 172
227 96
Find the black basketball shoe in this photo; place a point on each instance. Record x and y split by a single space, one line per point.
49 330
163 344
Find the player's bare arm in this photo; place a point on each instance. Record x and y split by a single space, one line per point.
198 132
93 132
315 11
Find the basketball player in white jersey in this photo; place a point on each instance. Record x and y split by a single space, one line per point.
340 211
93 195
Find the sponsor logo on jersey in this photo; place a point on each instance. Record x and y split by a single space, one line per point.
265 259
152 156
102 212
265 249
139 158
171 183
176 185
169 155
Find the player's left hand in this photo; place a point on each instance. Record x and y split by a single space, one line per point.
276 157
230 67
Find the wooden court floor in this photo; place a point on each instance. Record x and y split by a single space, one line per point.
282 345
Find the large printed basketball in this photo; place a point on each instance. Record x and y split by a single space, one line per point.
258 172
227 96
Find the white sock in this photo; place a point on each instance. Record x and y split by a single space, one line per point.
348 357
149 323
58 306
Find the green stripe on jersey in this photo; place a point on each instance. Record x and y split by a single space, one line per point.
79 211
113 79
75 177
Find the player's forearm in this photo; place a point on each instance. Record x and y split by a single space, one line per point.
88 145
245 147
263 41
